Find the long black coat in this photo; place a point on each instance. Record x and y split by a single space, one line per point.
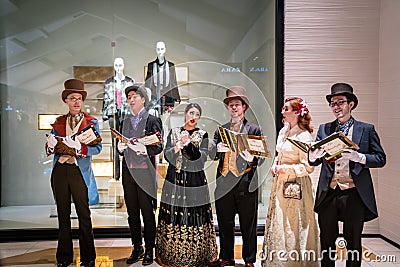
148 124
170 91
365 136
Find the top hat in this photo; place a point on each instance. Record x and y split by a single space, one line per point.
343 89
236 92
73 86
139 89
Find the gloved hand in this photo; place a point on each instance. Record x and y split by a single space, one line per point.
353 155
222 147
139 148
51 141
315 154
122 146
72 143
246 156
185 139
178 145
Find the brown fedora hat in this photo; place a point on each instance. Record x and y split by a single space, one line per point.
343 89
236 92
73 86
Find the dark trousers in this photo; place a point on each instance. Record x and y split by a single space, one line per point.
67 181
138 200
115 123
236 200
346 206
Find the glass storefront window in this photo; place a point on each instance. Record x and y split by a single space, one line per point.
214 44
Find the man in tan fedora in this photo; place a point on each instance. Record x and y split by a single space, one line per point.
235 172
72 175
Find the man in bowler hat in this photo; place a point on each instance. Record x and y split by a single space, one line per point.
72 175
345 189
235 173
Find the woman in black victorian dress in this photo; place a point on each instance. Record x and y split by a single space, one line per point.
185 231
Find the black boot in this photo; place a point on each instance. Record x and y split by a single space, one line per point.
88 264
63 264
137 253
148 257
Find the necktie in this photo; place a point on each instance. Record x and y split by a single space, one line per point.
135 121
74 120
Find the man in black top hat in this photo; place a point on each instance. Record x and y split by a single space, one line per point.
345 190
139 174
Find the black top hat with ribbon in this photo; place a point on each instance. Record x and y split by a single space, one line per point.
343 89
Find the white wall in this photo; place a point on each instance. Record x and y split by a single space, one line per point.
389 119
339 41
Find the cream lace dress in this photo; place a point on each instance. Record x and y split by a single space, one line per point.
291 231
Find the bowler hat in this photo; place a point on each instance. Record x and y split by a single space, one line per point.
139 89
73 86
236 92
343 89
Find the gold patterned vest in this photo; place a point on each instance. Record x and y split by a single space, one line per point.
230 157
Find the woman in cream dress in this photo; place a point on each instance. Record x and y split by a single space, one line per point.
291 230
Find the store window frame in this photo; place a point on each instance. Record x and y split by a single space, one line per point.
49 234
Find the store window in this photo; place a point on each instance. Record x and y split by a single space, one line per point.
213 44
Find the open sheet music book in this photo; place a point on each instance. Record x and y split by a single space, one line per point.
147 140
238 142
333 145
88 136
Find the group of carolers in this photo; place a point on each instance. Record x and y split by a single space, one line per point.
185 234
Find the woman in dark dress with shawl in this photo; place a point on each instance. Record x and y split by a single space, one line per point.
185 231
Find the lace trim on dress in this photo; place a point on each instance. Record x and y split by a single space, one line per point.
195 139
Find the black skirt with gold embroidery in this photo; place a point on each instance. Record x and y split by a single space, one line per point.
185 232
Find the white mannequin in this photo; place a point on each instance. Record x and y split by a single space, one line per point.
119 71
115 105
161 79
160 50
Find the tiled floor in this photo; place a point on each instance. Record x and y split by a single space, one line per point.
38 217
113 252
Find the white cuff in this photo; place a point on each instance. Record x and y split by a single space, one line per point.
363 158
